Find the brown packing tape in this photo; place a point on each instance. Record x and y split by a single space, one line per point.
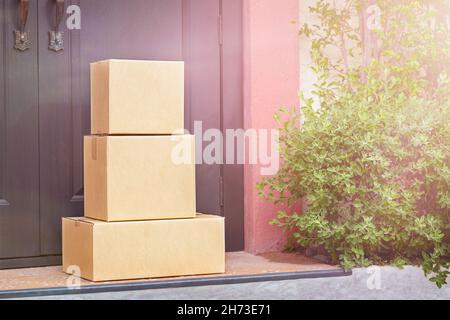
94 148
82 220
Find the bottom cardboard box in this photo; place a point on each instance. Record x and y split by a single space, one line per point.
102 251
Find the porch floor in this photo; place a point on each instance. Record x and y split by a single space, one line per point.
239 265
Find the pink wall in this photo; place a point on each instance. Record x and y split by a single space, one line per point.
271 80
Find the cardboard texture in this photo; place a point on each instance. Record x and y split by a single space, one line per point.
139 250
135 178
137 97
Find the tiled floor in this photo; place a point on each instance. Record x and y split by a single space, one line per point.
237 264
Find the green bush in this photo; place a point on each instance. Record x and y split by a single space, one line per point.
372 164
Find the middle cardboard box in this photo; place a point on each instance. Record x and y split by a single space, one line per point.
132 178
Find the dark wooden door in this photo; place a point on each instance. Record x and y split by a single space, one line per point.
19 139
45 109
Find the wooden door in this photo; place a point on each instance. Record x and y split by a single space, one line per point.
45 110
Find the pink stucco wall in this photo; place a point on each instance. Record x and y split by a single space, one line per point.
271 80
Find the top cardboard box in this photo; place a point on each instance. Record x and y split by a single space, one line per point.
137 97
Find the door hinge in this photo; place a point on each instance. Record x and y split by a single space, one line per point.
221 193
220 27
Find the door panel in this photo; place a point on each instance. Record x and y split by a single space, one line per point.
204 97
60 160
19 154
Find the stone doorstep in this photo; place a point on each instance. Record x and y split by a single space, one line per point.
241 268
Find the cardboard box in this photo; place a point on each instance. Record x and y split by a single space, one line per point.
104 251
135 178
137 97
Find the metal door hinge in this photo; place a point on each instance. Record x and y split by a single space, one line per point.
56 36
22 40
221 192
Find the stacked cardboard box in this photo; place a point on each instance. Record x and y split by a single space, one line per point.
140 214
